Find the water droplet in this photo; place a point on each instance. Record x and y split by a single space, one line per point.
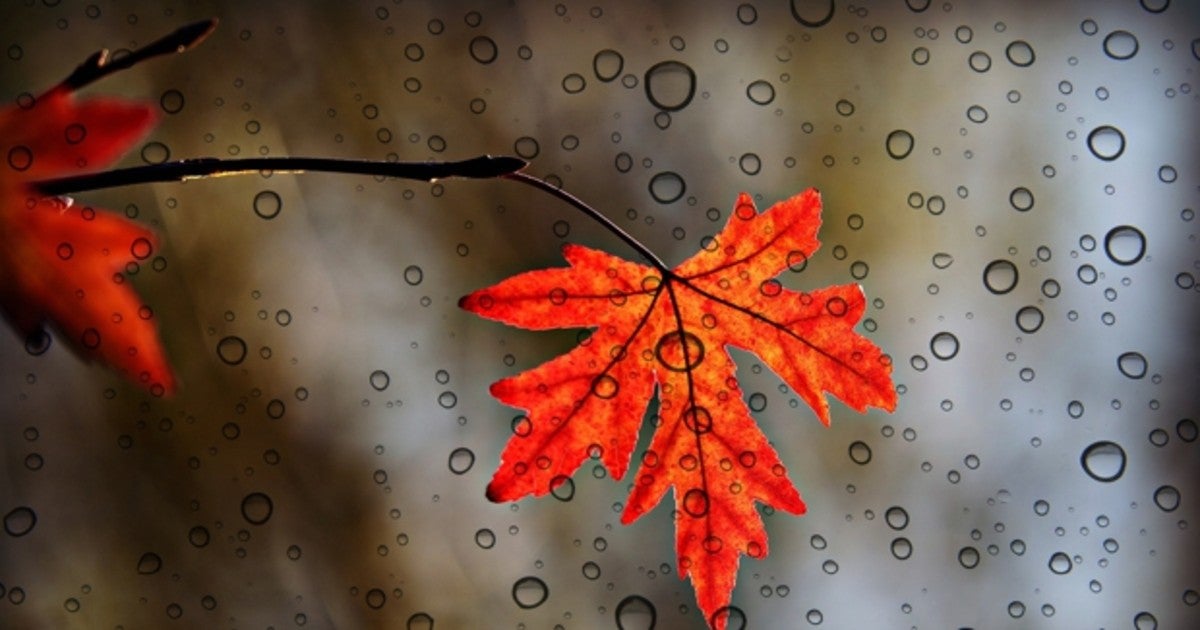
20 521
1106 142
679 351
231 350
1167 498
562 488
257 508
1144 620
901 548
1000 276
980 61
1029 319
420 621
968 557
667 187
573 83
376 598
896 517
1021 199
1060 563
1132 365
670 85
1103 461
760 92
750 164
413 275
152 153
171 101
1125 244
198 536
860 453
636 613
944 346
530 592
380 380
977 114
812 13
485 538
695 502
461 460
608 64
1120 45
899 144
1020 53
483 49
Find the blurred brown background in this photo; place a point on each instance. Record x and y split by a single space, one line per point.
145 508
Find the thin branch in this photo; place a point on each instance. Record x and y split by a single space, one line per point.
481 167
100 64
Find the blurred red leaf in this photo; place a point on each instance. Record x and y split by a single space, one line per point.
669 329
64 263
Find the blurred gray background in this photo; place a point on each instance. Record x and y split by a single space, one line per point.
146 509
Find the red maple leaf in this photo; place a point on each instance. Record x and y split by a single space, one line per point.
62 262
669 329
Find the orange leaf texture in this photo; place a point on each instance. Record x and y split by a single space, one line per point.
654 328
64 263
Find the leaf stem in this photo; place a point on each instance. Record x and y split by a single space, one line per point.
593 214
480 167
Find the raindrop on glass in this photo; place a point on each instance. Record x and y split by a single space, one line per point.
899 144
1103 461
636 613
1120 45
1106 142
670 85
1125 244
530 592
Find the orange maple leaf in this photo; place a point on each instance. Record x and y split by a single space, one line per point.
669 329
63 263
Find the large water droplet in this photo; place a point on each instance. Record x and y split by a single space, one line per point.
760 92
608 64
231 350
1020 53
1132 365
530 592
20 521
860 453
461 460
1103 461
667 187
1120 45
483 49
896 517
149 564
1106 142
267 204
1000 276
636 613
670 85
899 144
812 13
257 508
1125 244
379 380
1167 498
1060 563
1029 319
944 346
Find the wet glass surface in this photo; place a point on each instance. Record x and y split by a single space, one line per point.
1012 184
